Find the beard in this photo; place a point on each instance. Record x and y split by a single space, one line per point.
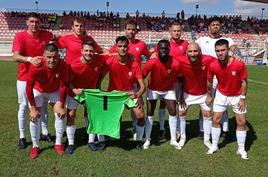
163 58
193 59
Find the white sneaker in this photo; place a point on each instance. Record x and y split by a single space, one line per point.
208 144
243 154
182 141
212 150
147 144
175 144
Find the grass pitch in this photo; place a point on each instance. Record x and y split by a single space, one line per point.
121 159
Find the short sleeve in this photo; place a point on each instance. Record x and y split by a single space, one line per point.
243 74
147 67
17 44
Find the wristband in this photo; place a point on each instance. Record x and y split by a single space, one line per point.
29 59
242 96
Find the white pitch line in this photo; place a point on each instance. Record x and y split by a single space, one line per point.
258 82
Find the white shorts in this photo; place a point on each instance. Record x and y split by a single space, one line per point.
39 97
167 95
21 90
221 102
195 99
71 102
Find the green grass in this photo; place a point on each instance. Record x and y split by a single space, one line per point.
120 158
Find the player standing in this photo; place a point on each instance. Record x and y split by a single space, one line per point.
124 71
231 91
28 46
163 70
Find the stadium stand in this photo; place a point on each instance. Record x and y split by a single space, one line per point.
250 34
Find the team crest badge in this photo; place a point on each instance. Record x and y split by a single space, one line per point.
180 47
233 73
137 49
96 69
130 73
169 71
203 68
57 75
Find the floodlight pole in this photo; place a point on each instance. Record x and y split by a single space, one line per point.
36 5
196 7
262 9
107 6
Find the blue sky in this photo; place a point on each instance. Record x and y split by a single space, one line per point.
209 7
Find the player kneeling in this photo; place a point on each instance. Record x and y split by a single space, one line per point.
47 81
231 91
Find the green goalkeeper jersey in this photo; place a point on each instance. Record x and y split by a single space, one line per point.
105 110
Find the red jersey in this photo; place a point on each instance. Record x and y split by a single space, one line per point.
195 74
136 48
32 46
162 75
229 77
85 75
73 46
47 80
178 48
122 76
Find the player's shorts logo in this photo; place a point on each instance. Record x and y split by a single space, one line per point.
130 73
233 73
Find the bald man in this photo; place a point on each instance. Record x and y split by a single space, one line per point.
194 68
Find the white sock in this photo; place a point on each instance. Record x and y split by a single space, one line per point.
134 121
172 120
44 118
70 131
101 138
201 128
91 138
59 126
140 132
225 122
22 119
241 139
216 132
148 127
183 126
161 115
35 132
207 123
